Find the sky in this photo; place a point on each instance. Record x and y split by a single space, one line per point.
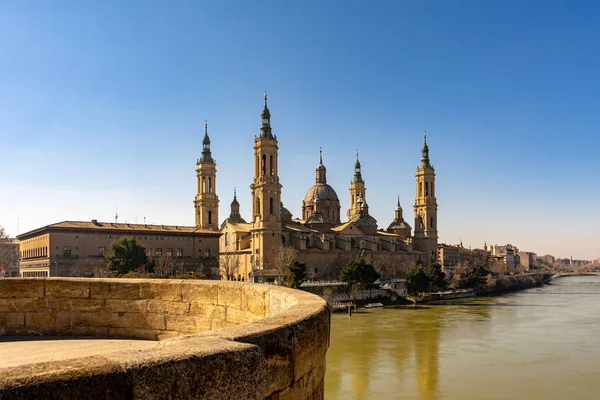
102 107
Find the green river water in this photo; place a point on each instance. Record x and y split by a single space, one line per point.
541 343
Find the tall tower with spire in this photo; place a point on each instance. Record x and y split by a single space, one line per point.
426 234
206 202
357 190
266 195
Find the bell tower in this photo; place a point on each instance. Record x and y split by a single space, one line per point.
206 203
357 190
266 194
426 235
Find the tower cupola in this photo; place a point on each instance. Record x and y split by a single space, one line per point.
321 171
357 172
425 154
206 155
265 128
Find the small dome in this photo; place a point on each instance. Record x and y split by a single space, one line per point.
321 190
318 218
363 220
399 225
286 215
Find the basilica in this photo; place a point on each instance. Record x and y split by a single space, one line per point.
323 238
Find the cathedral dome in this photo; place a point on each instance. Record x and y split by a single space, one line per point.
322 191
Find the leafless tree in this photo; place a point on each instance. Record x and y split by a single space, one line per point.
9 253
280 259
95 268
163 265
229 265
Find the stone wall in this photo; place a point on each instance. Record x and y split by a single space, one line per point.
218 340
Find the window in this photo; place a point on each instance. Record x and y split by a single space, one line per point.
420 189
67 251
101 251
169 252
226 238
271 165
264 164
179 253
431 222
209 216
207 253
271 205
426 188
209 184
158 252
203 184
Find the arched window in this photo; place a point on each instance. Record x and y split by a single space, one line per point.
226 238
203 184
271 165
420 189
431 222
426 188
258 206
209 184
271 208
264 164
209 217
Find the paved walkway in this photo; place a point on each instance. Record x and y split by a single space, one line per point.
16 350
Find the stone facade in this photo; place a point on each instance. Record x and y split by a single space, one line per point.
320 238
77 248
222 340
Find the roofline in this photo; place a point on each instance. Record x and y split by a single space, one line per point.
197 231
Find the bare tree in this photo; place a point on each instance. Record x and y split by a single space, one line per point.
9 253
280 259
229 265
96 268
163 265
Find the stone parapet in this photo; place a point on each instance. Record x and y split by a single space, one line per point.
218 340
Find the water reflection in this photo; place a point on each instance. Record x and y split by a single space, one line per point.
532 342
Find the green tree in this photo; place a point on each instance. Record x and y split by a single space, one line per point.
126 255
359 271
437 278
297 272
417 280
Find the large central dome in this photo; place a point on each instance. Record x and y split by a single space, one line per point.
321 190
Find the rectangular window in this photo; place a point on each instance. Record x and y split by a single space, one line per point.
67 251
158 252
207 253
179 253
271 205
169 252
149 251
101 251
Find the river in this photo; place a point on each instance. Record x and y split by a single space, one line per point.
541 343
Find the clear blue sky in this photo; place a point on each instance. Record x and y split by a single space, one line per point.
104 103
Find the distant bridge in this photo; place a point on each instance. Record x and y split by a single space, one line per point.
559 274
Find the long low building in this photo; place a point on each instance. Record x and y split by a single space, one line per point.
78 248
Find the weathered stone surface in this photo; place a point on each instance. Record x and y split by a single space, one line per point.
118 305
168 307
266 341
142 321
56 287
161 290
22 288
115 289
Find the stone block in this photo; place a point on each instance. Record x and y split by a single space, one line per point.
168 307
94 319
169 290
163 335
200 291
230 295
254 299
125 333
89 331
236 316
21 288
142 321
12 319
19 305
208 311
187 323
41 319
220 324
146 334
115 289
70 304
117 305
67 288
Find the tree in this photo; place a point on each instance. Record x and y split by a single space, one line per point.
297 272
280 259
359 271
162 266
9 253
437 278
417 281
229 264
126 255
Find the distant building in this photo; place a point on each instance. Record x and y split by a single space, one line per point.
9 258
450 255
528 259
507 252
77 248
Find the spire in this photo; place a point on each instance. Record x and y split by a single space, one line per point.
398 207
234 215
206 156
265 128
321 171
425 154
235 202
398 216
357 171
